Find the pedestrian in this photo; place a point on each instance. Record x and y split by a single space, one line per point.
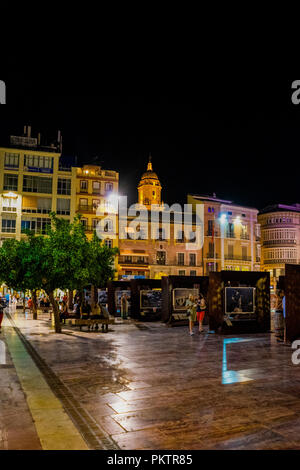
63 312
192 312
201 307
2 306
30 304
124 306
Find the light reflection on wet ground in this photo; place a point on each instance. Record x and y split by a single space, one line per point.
162 389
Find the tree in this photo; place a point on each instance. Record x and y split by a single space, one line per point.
101 264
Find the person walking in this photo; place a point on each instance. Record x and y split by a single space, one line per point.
192 312
124 306
201 307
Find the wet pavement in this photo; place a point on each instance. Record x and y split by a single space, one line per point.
156 387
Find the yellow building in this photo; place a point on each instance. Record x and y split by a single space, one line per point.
231 235
97 199
33 182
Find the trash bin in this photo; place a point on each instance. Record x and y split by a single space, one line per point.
279 324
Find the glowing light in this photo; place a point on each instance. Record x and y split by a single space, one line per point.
237 221
10 194
223 218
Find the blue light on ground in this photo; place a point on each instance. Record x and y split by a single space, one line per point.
232 376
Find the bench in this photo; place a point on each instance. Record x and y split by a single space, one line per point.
91 323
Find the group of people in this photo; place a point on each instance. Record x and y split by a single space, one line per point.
2 307
196 307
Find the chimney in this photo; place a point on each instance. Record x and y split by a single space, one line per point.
25 130
29 131
39 138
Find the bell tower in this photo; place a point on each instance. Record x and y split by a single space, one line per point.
149 188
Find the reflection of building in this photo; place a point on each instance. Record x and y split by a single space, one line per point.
34 180
161 254
231 235
280 232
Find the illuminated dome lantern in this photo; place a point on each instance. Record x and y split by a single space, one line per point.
149 187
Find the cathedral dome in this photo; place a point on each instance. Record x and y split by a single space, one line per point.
149 187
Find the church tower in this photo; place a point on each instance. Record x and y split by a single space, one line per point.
149 188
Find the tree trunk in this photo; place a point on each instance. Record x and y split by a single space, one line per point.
34 305
55 311
70 299
24 302
94 296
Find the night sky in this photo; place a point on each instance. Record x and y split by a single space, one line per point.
242 144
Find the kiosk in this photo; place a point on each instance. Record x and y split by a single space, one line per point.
239 302
176 291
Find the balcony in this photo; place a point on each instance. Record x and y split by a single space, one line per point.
230 235
8 230
280 261
244 237
9 209
212 256
210 234
87 208
237 258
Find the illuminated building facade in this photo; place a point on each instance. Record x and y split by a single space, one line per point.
161 254
280 231
231 235
34 181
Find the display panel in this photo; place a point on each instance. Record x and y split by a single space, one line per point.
239 300
118 295
102 297
180 296
150 299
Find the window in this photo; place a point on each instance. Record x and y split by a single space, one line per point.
108 227
181 273
109 187
193 273
44 205
192 257
180 259
210 228
64 186
211 250
161 235
38 225
83 203
230 231
108 243
95 223
244 252
11 160
230 251
161 257
9 225
96 203
180 236
63 206
37 184
83 186
84 222
39 162
10 182
96 187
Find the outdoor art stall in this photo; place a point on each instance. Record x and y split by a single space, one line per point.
175 293
239 302
146 299
117 292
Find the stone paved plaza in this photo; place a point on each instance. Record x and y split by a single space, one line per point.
145 386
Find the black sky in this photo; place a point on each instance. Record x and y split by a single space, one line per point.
244 147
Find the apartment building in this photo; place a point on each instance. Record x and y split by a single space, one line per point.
231 235
34 180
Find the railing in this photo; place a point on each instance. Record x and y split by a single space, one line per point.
245 237
280 261
237 258
87 208
8 187
229 235
9 209
212 256
132 261
8 230
64 168
35 210
62 212
210 234
279 242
